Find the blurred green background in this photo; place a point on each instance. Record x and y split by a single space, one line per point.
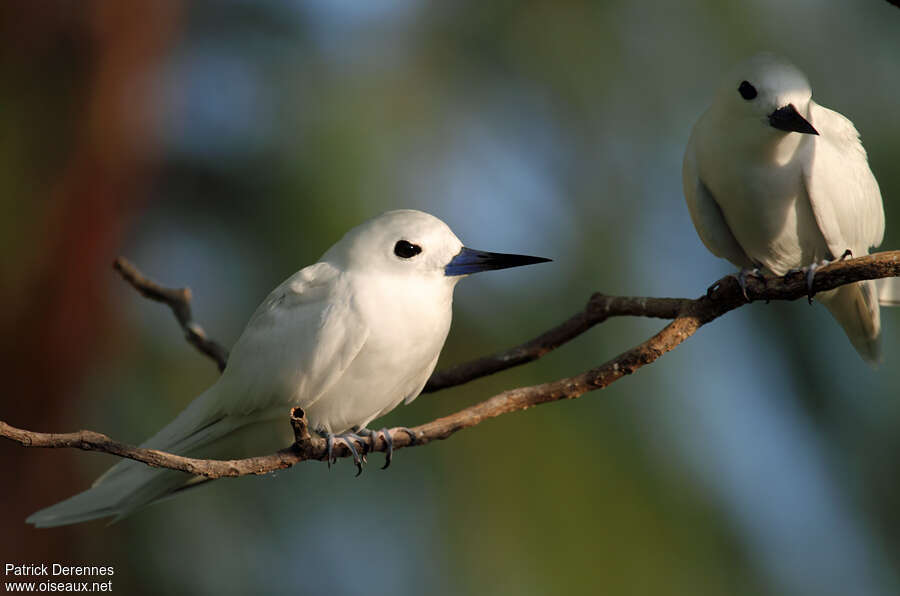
224 145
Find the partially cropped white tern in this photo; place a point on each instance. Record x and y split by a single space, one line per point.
346 339
777 182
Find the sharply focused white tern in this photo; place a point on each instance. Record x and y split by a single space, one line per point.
775 181
346 339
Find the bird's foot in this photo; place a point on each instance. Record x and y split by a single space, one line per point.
742 276
388 441
810 274
810 278
349 439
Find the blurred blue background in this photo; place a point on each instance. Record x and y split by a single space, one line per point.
224 145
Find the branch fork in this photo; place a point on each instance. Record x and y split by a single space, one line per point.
686 315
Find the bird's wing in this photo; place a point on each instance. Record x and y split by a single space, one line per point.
298 343
425 376
842 190
706 213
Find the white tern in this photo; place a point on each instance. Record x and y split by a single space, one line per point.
347 339
776 182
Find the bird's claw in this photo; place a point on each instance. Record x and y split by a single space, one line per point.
388 441
742 276
811 272
811 276
329 449
389 447
349 439
372 435
367 445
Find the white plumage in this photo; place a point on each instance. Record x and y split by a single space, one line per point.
346 339
774 180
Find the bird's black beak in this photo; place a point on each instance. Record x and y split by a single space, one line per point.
469 260
789 119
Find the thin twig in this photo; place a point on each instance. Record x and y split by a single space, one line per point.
688 316
599 308
179 300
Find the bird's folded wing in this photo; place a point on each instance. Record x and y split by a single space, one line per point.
843 192
707 215
298 343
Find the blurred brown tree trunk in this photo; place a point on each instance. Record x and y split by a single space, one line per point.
91 64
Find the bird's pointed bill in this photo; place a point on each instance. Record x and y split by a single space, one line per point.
469 260
789 119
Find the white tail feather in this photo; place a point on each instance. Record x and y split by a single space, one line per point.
130 485
855 307
889 291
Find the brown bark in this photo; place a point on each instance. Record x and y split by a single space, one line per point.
688 316
75 82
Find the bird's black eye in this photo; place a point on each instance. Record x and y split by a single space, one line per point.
747 90
406 250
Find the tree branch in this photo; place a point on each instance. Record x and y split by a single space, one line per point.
179 300
598 309
688 316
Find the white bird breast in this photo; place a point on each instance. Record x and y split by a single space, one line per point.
764 202
407 321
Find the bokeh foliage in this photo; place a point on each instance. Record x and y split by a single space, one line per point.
223 145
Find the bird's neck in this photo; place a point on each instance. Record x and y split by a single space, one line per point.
782 148
404 297
771 147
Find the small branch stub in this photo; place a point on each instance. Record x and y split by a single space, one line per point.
300 426
304 444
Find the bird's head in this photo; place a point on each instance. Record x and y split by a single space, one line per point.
412 243
766 93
